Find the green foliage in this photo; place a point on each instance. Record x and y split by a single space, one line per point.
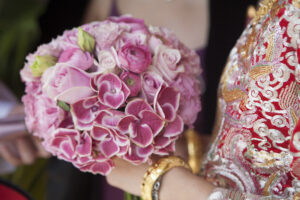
128 196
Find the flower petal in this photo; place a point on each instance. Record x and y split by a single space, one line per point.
144 136
174 128
84 148
109 148
152 120
135 106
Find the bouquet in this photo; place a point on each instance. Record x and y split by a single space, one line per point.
116 88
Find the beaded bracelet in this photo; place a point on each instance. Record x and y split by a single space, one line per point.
155 172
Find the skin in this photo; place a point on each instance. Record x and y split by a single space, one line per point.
22 148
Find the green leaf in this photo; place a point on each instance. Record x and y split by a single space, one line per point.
85 40
63 105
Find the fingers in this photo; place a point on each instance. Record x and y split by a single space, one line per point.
41 152
26 149
22 150
9 153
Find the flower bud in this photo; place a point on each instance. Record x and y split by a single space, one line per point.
85 40
42 63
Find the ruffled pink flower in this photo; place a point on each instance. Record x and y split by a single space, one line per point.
42 114
75 57
112 91
166 62
66 83
151 85
134 58
141 124
106 34
132 81
190 94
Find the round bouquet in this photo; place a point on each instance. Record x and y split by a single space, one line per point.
116 88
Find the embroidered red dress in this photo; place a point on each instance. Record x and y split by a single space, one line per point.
256 148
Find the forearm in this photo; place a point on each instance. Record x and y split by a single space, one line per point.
180 183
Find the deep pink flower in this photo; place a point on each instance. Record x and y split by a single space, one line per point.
135 58
85 111
167 105
112 91
66 83
132 81
140 123
75 57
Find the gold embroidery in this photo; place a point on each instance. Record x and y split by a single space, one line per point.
294 116
266 190
288 96
260 71
270 48
296 3
232 95
297 196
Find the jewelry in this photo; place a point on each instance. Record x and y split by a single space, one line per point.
151 180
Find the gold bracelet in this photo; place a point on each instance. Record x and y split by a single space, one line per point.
156 171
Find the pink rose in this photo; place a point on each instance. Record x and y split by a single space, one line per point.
132 81
42 114
151 84
112 91
66 83
107 61
75 57
166 62
135 58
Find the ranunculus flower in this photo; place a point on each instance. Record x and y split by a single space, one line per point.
132 81
77 58
166 62
134 58
151 84
66 83
112 91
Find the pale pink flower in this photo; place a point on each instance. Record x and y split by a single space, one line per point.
166 62
151 84
75 57
66 83
42 114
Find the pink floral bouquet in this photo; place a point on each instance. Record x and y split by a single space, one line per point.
109 89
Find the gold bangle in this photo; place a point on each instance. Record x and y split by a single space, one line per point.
156 171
